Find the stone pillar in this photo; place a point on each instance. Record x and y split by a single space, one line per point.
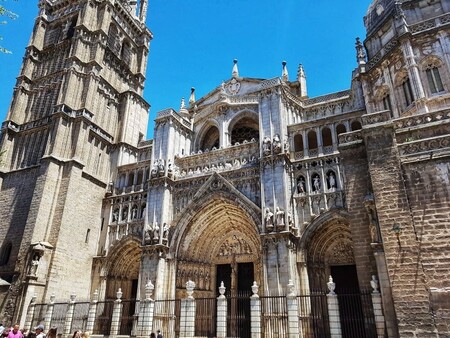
255 313
147 307
117 314
30 313
221 313
69 315
187 320
292 308
333 311
92 313
49 312
377 308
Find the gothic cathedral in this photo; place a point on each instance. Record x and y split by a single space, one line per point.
254 182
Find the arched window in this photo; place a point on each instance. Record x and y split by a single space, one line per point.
298 142
356 125
244 130
71 28
140 176
125 52
434 79
327 139
113 39
312 140
210 139
5 253
130 179
341 129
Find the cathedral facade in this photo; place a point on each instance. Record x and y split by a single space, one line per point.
254 182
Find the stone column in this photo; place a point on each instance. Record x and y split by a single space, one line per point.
333 311
30 313
292 308
255 313
187 320
377 308
147 307
49 312
69 315
221 331
117 314
92 313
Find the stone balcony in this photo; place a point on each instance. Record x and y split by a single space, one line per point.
218 160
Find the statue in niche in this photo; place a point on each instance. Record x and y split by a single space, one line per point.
160 167
148 235
228 165
125 214
144 207
290 220
34 264
332 181
183 173
280 216
268 219
190 172
115 215
301 185
276 144
221 167
374 234
316 183
134 212
213 167
198 170
205 169
266 146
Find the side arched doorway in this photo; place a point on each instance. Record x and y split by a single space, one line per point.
220 243
123 267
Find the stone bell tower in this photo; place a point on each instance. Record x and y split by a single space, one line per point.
77 112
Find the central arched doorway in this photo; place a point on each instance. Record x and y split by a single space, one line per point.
220 243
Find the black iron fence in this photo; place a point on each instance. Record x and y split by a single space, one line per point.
355 316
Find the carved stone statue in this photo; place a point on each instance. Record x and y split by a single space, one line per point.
286 146
125 214
169 169
154 172
160 167
316 183
156 231
268 219
332 181
165 231
301 185
134 212
266 146
34 264
280 216
276 144
115 215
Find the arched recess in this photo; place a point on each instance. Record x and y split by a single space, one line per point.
208 137
220 230
244 127
327 242
122 268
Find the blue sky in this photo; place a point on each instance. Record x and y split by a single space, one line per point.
196 41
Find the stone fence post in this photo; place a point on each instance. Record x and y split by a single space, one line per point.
377 307
92 313
292 307
333 311
49 312
30 313
69 315
117 314
255 312
187 321
147 308
221 313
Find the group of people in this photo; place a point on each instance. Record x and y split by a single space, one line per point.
16 332
157 335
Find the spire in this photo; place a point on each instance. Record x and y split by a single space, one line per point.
235 72
183 111
301 78
143 10
284 73
192 97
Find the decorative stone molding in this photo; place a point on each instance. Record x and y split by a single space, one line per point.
350 138
428 145
376 118
422 119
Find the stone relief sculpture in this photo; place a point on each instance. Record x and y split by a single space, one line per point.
154 171
266 146
160 167
276 144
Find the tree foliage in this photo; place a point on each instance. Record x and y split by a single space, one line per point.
6 13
